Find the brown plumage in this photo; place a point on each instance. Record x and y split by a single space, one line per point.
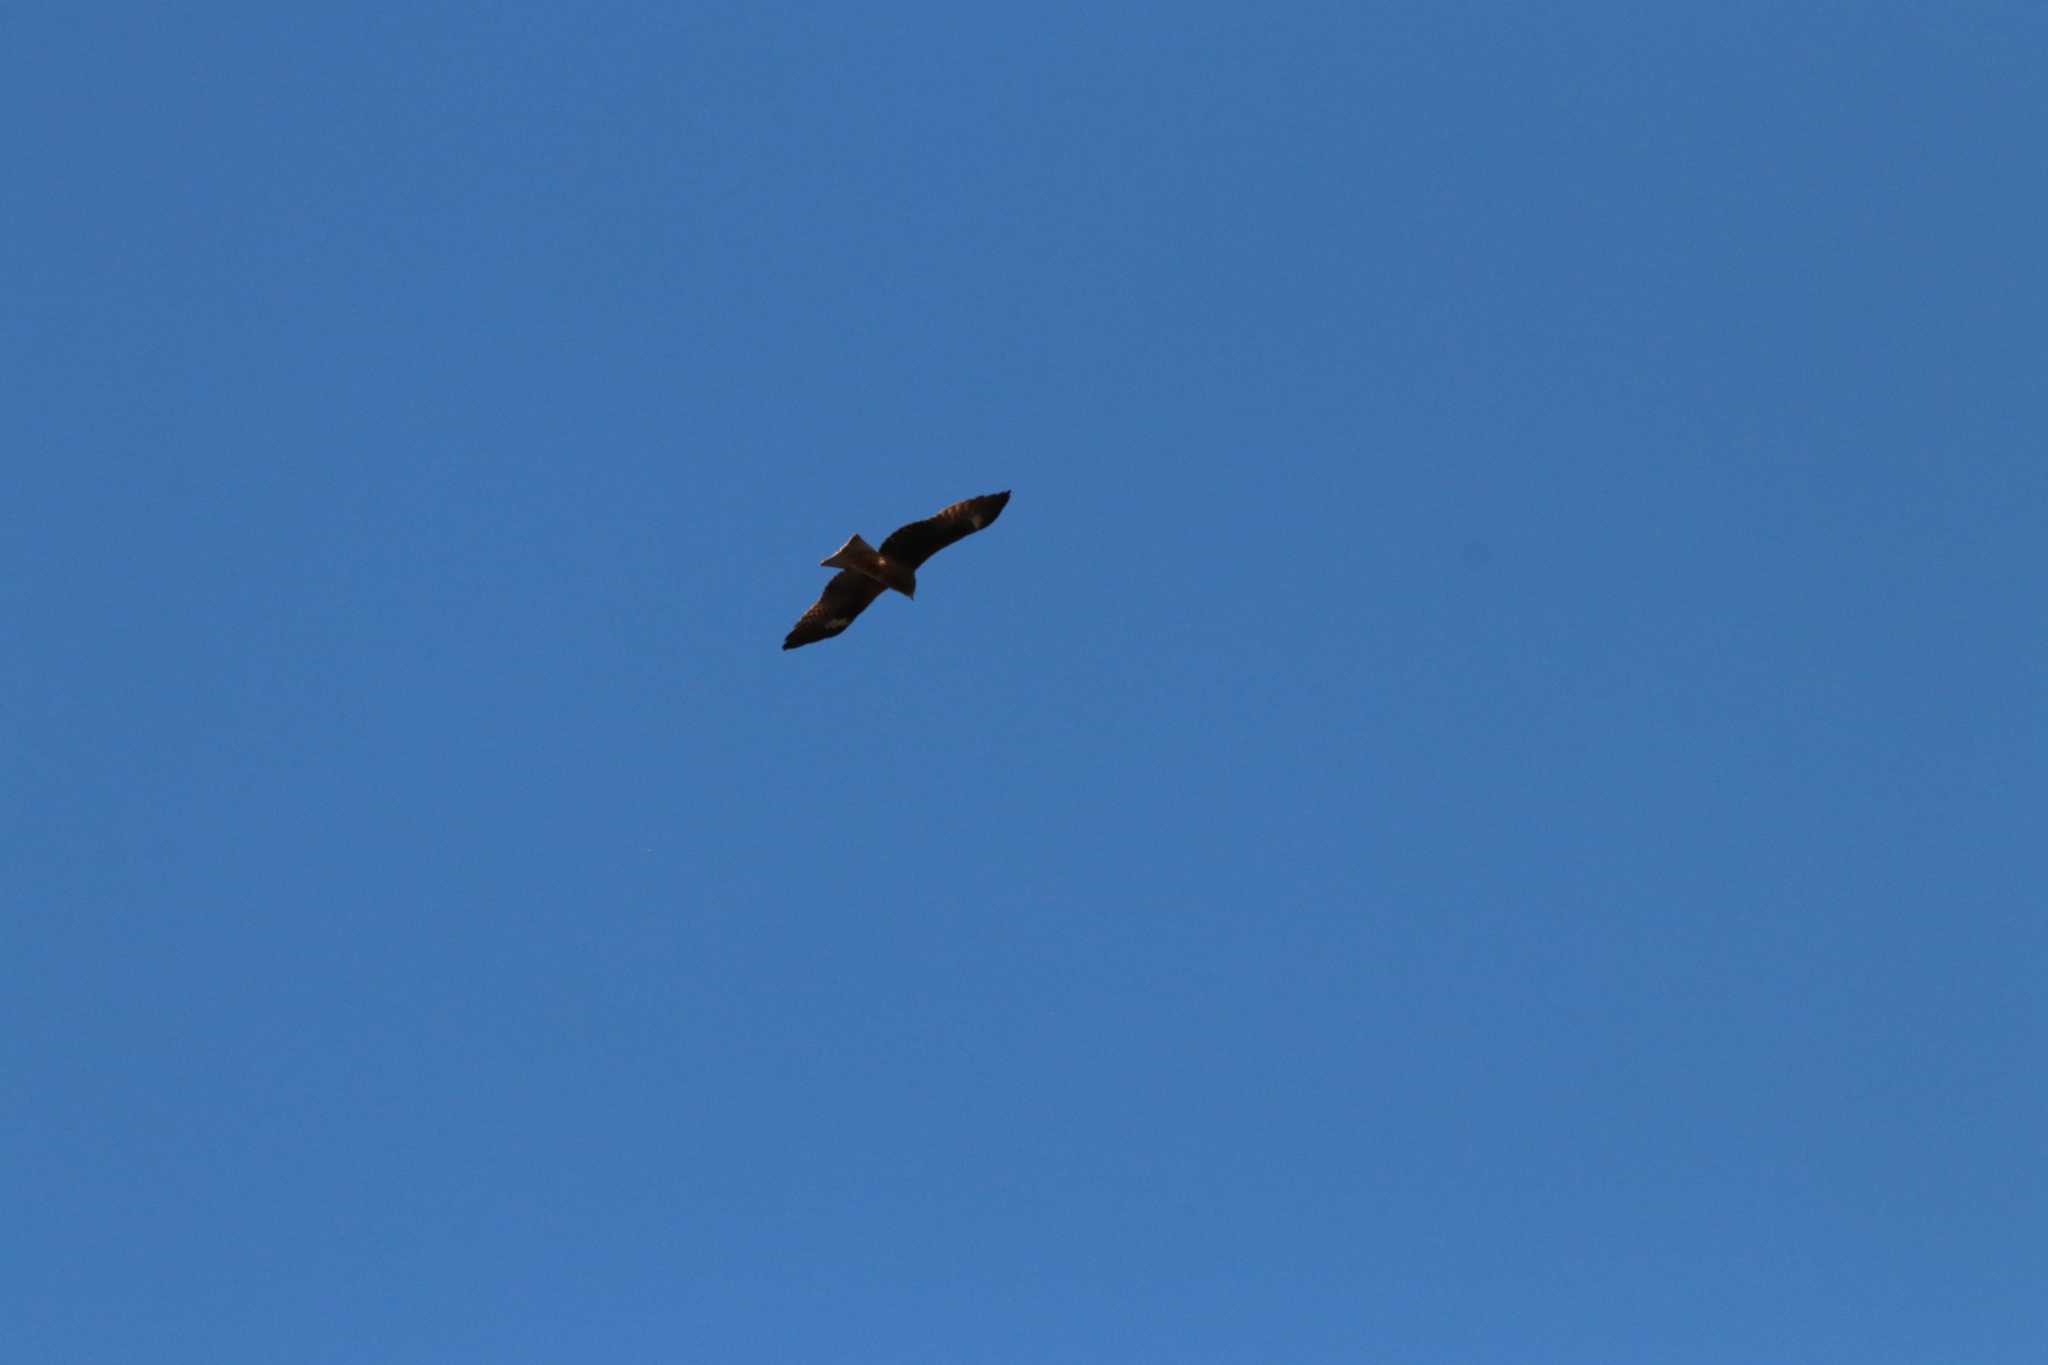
866 572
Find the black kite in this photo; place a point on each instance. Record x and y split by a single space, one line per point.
865 572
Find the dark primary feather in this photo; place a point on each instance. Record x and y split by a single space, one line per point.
845 597
919 541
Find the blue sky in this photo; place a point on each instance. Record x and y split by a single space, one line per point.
1482 803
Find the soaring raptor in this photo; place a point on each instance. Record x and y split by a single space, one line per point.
865 571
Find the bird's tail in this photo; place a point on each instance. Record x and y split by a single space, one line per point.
856 554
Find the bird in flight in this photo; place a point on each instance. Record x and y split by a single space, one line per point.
864 571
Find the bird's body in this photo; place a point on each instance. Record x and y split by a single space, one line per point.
866 572
864 559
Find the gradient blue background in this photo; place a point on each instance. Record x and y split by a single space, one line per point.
1484 802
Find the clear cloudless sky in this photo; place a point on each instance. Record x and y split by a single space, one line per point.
1484 801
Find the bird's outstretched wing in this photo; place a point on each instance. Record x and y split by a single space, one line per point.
919 541
845 597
